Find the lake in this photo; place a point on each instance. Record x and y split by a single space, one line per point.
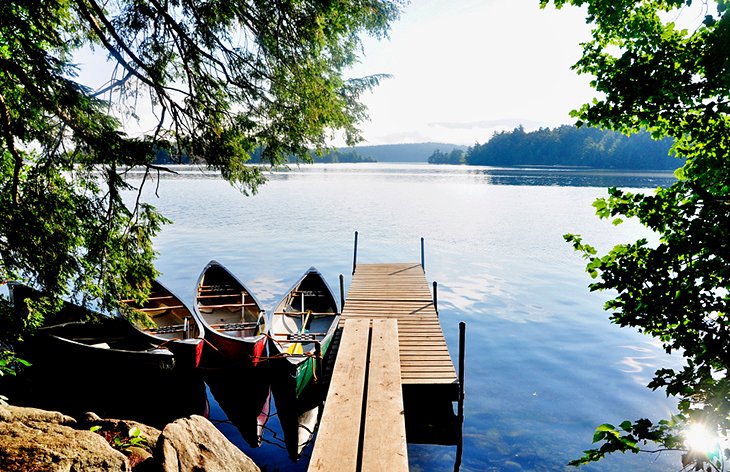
544 366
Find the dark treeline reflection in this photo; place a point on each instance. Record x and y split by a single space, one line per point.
565 177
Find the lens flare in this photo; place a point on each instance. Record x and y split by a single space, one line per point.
699 439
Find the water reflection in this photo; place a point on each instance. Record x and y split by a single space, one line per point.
298 416
494 244
530 176
244 395
155 398
640 366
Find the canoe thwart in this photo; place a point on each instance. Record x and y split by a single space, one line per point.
221 295
300 313
163 307
225 305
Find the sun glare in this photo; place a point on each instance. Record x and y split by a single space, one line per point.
699 439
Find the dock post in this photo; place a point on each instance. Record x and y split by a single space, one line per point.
342 292
423 257
460 406
354 256
435 297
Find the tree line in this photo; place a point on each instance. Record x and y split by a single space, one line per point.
328 157
567 146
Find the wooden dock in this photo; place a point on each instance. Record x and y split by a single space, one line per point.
401 292
391 341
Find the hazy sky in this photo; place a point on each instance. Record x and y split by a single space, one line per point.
465 68
461 69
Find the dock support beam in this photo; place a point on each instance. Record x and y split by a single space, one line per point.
423 257
354 256
436 297
460 406
342 292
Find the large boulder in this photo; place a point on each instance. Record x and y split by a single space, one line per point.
33 439
194 444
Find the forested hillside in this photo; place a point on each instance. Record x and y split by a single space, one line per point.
572 146
414 152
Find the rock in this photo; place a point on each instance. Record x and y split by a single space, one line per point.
33 444
32 439
194 444
24 414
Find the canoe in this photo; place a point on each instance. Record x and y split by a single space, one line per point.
232 317
175 326
78 332
109 345
306 318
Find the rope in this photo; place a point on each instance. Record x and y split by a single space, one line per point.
211 345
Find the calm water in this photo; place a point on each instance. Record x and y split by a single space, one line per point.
544 365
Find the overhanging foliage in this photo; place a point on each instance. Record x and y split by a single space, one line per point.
652 74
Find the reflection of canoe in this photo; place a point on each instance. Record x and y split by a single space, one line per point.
176 327
233 320
304 319
298 416
244 396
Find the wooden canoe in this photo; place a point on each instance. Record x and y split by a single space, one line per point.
304 319
232 317
110 345
175 326
80 331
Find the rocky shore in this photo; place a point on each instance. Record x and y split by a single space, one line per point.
40 440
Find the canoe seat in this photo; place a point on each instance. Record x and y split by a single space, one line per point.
168 329
309 293
217 288
234 326
304 337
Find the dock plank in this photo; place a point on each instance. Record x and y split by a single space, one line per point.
384 442
339 430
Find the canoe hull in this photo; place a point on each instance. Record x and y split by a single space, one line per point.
232 318
310 311
176 327
110 346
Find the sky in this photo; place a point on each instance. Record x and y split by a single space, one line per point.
464 69
461 70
